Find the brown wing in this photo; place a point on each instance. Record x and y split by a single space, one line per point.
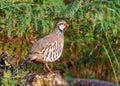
46 46
42 44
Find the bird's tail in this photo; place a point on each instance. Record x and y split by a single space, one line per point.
28 58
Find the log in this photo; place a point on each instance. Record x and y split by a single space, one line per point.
55 79
45 79
89 82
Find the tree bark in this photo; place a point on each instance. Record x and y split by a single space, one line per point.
45 79
88 82
55 79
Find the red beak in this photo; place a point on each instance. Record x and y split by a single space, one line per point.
66 25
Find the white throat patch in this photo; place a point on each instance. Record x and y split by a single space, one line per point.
61 27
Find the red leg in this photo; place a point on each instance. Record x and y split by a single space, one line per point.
46 66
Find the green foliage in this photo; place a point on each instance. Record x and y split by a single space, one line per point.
7 80
91 42
73 7
18 15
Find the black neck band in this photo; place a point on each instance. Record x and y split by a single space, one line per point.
60 29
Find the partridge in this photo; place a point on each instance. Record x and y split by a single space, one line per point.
48 48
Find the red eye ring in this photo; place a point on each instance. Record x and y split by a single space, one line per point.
66 25
62 23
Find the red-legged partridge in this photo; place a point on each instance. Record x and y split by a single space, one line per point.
48 48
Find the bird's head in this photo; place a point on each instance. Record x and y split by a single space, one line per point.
61 25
